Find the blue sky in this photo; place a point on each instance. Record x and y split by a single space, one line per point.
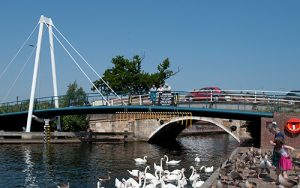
231 44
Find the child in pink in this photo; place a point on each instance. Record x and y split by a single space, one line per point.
285 161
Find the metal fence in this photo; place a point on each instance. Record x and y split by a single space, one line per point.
256 100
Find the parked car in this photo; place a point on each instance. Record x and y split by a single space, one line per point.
293 96
206 93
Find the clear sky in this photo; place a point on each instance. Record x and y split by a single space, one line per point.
232 44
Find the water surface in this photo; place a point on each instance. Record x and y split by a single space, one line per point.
38 165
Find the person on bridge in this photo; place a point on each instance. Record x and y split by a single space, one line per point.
167 88
160 89
153 94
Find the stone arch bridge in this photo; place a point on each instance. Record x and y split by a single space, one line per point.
157 127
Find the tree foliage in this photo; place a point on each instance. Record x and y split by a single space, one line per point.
74 123
127 77
74 97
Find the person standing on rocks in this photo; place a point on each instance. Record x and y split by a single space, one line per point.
274 129
285 162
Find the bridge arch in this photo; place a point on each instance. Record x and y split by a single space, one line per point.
171 129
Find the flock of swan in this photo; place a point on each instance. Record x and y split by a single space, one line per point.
160 178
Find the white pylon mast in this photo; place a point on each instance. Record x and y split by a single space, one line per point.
48 21
54 80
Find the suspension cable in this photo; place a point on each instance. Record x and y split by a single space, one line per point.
22 46
87 63
79 66
21 71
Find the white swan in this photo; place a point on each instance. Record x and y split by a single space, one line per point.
154 180
182 181
140 160
169 185
207 169
197 183
159 168
197 159
149 176
134 173
99 184
172 162
194 175
134 183
177 171
172 177
118 183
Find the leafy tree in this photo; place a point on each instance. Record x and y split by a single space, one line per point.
74 123
74 97
127 77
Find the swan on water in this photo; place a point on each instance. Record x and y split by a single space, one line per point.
197 183
172 162
177 171
207 169
169 185
134 173
64 185
99 184
159 168
119 184
140 160
170 177
194 175
197 159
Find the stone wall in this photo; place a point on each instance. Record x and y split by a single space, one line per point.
281 119
107 123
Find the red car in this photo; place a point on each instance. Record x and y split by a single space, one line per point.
206 93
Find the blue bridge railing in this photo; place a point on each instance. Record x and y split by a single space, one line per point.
235 99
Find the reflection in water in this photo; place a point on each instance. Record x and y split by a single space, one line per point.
80 164
30 179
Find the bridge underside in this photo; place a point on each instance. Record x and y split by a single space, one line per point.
168 133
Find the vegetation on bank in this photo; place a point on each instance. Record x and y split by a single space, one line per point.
75 96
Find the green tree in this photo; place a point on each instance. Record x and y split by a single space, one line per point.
127 77
74 123
74 97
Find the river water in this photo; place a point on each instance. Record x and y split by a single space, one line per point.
38 165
